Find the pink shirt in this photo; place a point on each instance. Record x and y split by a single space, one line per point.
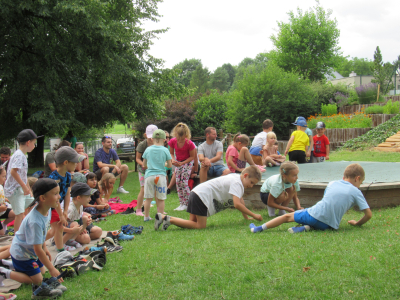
182 153
232 151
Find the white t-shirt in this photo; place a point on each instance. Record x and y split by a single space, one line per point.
260 139
73 213
3 200
273 185
339 197
17 161
217 194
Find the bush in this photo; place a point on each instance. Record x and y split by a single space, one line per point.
353 97
376 109
391 107
328 109
326 91
359 120
367 93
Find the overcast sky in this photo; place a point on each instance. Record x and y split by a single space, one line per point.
222 31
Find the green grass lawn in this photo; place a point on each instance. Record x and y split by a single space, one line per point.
366 155
118 129
227 261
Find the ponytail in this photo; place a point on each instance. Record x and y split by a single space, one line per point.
241 138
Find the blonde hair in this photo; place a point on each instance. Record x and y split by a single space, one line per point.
31 181
181 130
271 134
354 170
285 169
103 183
253 172
241 138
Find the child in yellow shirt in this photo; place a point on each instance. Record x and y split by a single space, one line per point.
298 142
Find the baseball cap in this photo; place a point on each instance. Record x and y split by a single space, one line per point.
67 153
320 125
300 121
82 189
159 134
42 186
78 177
150 129
27 135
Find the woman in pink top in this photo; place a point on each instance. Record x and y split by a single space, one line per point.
183 149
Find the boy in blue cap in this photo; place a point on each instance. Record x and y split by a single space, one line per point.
298 142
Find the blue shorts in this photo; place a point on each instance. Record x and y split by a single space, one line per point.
303 217
29 267
216 170
255 151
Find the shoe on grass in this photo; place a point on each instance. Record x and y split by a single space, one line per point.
157 221
110 247
182 208
129 211
7 296
54 284
166 223
179 207
122 190
149 219
299 229
45 292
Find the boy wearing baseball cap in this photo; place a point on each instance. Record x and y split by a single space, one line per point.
298 142
321 144
155 159
16 188
66 159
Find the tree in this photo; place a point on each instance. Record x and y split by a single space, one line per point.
361 66
231 72
383 72
219 80
77 64
200 78
186 67
250 65
308 43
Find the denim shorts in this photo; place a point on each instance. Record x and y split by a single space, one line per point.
216 170
303 217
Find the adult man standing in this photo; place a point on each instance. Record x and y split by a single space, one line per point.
102 163
5 154
210 156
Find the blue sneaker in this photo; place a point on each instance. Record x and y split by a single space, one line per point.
125 237
299 229
254 228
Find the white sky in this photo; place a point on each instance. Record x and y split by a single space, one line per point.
222 31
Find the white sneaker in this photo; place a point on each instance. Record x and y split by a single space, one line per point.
122 190
184 207
179 207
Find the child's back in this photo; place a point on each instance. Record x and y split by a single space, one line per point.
300 142
156 157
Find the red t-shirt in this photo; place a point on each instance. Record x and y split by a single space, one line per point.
182 154
320 145
232 151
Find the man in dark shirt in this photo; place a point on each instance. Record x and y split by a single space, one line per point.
102 163
5 154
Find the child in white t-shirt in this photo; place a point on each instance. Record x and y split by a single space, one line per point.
213 196
339 197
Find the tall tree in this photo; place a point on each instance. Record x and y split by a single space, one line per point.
361 66
186 69
231 72
383 72
200 79
308 43
77 64
219 80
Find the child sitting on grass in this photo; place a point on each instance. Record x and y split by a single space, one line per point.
96 205
106 188
155 158
213 196
80 193
29 253
5 210
278 190
321 144
338 198
298 142
270 156
238 154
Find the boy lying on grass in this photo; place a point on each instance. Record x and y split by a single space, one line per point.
213 196
339 197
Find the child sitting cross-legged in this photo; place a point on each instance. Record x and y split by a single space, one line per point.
338 198
270 155
80 193
155 158
29 253
278 190
106 187
96 205
213 196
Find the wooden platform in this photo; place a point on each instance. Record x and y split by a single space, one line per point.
392 144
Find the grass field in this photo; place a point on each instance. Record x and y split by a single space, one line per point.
118 129
227 261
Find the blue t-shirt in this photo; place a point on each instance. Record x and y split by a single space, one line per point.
32 232
156 157
339 197
273 185
64 182
309 132
104 157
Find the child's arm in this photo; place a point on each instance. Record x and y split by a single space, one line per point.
139 160
172 152
296 201
192 154
232 164
311 145
327 152
239 205
44 256
363 220
145 163
67 199
169 163
63 220
25 188
289 144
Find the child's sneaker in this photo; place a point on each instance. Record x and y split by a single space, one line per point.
73 243
129 211
166 223
69 248
125 237
157 221
299 229
131 230
146 220
110 247
53 283
45 292
86 266
179 208
67 272
7 296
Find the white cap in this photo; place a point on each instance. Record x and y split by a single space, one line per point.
150 129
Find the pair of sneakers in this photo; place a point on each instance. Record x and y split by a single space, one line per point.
131 230
49 289
181 207
159 219
119 236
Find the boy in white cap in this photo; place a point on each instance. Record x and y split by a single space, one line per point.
16 188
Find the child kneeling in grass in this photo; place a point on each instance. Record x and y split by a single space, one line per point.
213 196
28 250
339 197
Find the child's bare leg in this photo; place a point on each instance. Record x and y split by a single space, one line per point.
11 217
140 198
58 234
83 239
273 223
269 159
245 155
18 221
5 252
172 182
194 222
23 278
147 204
95 233
160 205
71 235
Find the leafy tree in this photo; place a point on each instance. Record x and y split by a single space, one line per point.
361 66
250 65
219 80
77 64
231 72
383 72
200 79
187 67
308 43
271 93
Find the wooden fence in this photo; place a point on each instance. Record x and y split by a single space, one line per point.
378 119
352 109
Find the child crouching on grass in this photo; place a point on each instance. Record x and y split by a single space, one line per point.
338 198
213 196
278 190
28 250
